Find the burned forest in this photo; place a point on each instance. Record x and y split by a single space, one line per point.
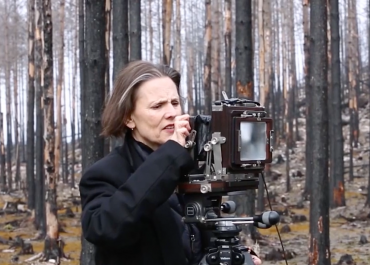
306 61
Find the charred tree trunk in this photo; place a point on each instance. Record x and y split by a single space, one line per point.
336 142
166 31
151 39
215 52
307 72
51 246
14 67
319 199
190 64
81 56
95 95
177 57
40 222
207 62
261 54
9 142
120 40
108 12
352 57
58 136
244 86
244 49
293 80
73 100
17 177
65 144
228 82
120 35
135 29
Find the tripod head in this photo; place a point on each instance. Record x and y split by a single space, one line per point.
227 249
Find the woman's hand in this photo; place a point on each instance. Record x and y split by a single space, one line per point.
256 260
181 129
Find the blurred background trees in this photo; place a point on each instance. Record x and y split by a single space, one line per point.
306 61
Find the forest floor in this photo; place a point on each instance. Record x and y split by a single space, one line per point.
347 224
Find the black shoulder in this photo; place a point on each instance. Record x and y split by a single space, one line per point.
113 167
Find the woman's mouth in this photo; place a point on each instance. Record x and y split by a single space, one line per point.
169 128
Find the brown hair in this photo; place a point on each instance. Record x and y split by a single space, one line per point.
121 102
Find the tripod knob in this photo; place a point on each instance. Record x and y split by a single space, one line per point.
228 207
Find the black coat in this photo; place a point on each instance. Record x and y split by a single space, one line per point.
125 209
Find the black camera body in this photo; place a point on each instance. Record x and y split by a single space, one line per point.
230 147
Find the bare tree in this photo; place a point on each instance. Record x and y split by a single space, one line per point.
94 96
40 221
120 35
31 108
319 203
58 137
207 62
51 241
135 29
166 25
14 70
9 142
335 108
228 85
244 84
177 57
307 70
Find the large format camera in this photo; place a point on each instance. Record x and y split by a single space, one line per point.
230 149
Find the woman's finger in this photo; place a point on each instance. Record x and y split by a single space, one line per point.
183 124
184 117
184 131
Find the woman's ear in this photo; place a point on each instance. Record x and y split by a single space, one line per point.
130 123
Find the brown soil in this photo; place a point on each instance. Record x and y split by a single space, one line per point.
71 237
344 235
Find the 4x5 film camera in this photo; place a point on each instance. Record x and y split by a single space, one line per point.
230 148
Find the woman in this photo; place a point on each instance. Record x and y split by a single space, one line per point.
130 211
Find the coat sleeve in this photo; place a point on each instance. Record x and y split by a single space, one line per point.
111 216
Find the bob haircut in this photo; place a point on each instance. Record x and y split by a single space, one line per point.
121 102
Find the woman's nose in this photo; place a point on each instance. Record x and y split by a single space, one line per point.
170 111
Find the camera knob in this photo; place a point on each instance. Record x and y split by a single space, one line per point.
205 188
189 144
207 147
214 141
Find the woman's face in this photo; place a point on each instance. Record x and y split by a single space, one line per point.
157 104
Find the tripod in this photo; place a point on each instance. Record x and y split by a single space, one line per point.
227 250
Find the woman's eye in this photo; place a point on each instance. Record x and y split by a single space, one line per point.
175 103
156 106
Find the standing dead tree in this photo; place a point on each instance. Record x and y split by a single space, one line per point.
30 108
51 247
319 197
